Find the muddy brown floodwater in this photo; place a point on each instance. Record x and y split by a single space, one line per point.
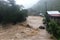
22 32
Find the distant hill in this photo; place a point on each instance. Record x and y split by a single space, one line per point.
42 5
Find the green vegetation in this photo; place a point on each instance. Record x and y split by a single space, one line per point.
53 28
11 12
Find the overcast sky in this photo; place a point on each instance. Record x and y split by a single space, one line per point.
27 3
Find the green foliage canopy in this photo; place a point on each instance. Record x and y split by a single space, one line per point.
11 12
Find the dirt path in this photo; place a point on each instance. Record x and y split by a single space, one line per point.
22 32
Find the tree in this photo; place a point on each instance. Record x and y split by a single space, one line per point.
11 12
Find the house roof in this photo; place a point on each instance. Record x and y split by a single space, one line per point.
54 13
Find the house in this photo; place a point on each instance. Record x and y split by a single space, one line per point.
55 15
41 14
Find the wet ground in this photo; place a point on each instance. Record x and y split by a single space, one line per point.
23 32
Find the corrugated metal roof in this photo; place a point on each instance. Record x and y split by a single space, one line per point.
55 15
53 12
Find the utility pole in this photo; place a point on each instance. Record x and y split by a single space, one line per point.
45 6
46 14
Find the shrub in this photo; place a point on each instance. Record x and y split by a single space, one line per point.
11 12
54 28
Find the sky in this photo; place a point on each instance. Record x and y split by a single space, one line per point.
26 3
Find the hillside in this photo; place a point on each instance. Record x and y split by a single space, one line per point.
42 5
